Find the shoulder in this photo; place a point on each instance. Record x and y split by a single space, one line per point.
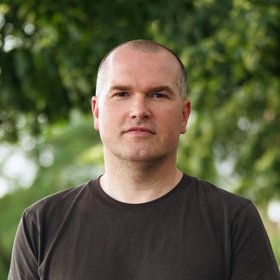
216 199
211 191
59 202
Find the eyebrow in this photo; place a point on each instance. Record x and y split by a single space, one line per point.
160 89
150 89
120 87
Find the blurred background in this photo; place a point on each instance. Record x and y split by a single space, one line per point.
49 54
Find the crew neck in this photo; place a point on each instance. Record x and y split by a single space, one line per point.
135 206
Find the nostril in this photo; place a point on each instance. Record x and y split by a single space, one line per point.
141 114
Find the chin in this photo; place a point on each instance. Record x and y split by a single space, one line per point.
145 157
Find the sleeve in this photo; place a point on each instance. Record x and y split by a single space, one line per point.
252 256
24 264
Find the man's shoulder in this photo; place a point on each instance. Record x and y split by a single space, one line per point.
211 189
59 201
216 197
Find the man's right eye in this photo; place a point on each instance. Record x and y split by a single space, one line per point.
121 94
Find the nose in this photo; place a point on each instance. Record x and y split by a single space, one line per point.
139 108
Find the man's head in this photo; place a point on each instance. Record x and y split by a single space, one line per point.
140 108
143 46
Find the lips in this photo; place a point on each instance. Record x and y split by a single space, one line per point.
139 130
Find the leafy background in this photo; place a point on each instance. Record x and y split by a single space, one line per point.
49 54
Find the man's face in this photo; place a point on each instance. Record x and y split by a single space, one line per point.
140 113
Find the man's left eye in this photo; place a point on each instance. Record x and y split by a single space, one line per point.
157 95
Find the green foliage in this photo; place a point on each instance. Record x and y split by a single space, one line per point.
234 87
49 54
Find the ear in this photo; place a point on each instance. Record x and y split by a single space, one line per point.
95 111
185 115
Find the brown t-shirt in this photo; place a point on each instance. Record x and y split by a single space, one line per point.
195 232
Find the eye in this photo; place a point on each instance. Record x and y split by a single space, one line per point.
121 94
158 95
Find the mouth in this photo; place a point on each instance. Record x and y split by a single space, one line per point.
139 130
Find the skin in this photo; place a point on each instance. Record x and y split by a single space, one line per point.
140 115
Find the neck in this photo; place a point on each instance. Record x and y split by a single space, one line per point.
139 182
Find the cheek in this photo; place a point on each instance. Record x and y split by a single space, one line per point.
171 120
109 119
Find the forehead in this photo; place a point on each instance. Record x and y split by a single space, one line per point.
141 64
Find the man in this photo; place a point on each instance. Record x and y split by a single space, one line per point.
143 218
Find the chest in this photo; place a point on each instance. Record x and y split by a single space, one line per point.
160 243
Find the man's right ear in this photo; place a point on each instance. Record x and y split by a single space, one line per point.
95 112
